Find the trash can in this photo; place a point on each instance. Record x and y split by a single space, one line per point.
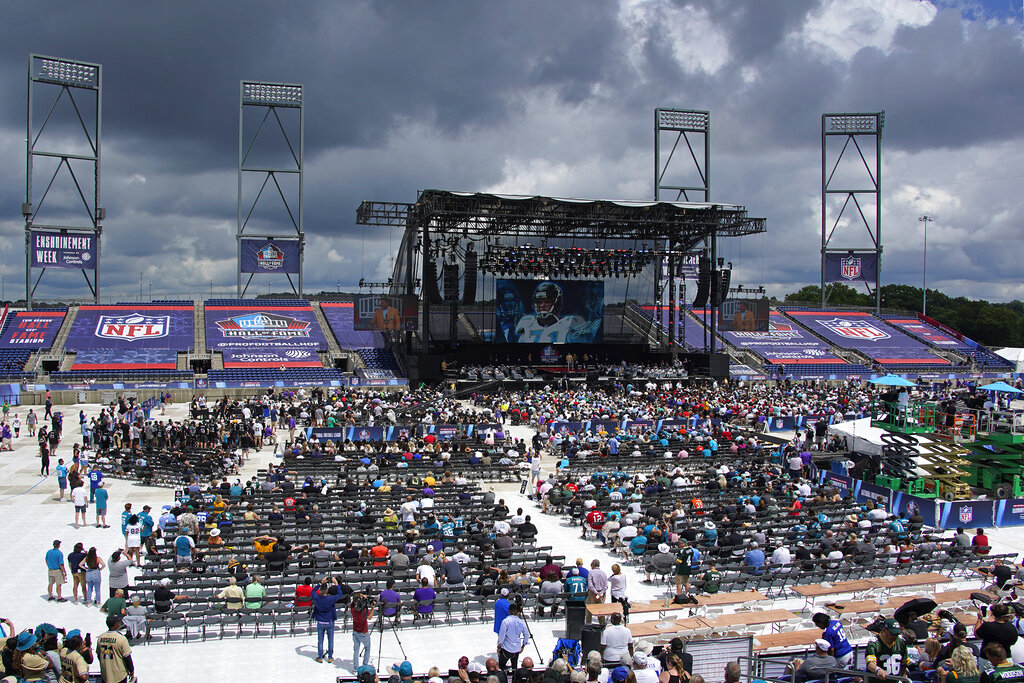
575 616
590 638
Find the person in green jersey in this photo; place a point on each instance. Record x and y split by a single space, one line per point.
886 655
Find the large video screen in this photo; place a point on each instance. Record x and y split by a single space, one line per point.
386 312
743 315
549 312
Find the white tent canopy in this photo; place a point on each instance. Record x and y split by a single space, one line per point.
1014 355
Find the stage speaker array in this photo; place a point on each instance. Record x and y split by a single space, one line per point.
703 282
469 288
450 275
433 294
720 286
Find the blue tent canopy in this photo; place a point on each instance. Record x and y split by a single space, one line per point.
1002 386
893 381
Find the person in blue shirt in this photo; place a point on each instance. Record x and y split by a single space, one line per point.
146 520
513 637
576 586
325 597
101 495
56 573
501 607
638 546
755 559
834 634
95 477
62 477
125 516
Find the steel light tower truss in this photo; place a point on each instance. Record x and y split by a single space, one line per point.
692 127
269 98
844 140
80 85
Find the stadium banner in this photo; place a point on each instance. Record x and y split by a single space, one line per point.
565 428
31 329
965 513
125 359
483 427
1009 512
386 313
270 255
782 424
444 432
127 326
851 267
607 426
549 311
106 386
868 334
743 315
271 358
265 384
263 328
687 266
639 426
784 343
904 502
880 494
52 249
926 333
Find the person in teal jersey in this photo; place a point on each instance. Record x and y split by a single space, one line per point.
102 496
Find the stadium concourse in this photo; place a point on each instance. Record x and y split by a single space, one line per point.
32 518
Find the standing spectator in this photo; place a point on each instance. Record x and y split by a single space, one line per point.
362 614
95 477
101 495
62 477
999 630
325 598
81 502
30 421
184 546
114 653
133 540
597 586
93 565
617 584
75 558
513 637
118 579
501 608
56 573
839 645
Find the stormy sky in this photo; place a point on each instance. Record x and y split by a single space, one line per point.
530 97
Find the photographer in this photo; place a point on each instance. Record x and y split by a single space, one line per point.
325 597
362 614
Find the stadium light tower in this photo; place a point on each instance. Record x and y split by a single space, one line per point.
264 250
924 269
66 139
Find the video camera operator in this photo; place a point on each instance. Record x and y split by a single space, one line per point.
362 614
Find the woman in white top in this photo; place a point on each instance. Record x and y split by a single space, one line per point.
617 584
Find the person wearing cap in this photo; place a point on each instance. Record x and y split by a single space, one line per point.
887 654
74 668
661 563
26 661
833 633
379 553
114 653
501 607
404 670
367 674
816 666
641 671
164 597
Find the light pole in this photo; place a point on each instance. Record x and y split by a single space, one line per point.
924 270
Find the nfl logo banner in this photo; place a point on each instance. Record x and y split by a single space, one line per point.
854 329
850 267
132 327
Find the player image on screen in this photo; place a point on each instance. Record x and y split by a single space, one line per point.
385 317
509 311
547 326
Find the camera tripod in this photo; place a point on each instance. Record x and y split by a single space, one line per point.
522 615
394 630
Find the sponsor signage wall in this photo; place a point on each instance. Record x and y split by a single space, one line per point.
31 329
270 255
784 343
63 249
866 333
925 506
272 358
132 327
966 513
846 267
1009 512
263 330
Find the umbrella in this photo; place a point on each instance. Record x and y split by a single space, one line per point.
913 609
892 381
1001 386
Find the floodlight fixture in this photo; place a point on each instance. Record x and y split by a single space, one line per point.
65 72
272 94
855 123
684 119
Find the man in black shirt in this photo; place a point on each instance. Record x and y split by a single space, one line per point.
675 647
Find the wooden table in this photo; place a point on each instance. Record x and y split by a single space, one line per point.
817 590
731 598
787 639
905 580
655 628
863 606
604 609
659 606
751 618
